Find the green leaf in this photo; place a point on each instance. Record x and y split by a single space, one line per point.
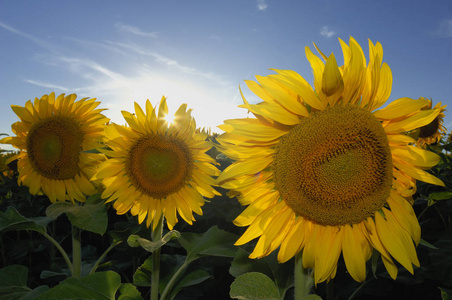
129 292
97 286
90 216
375 257
142 276
214 242
437 196
281 274
192 278
427 244
254 286
136 241
11 219
13 284
446 294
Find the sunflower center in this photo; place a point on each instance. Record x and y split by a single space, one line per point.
335 167
159 166
430 129
53 147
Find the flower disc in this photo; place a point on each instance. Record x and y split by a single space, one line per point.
335 167
53 146
159 166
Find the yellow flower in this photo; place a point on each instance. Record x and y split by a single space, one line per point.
323 171
433 132
52 133
157 168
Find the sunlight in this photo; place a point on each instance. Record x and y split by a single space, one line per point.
169 118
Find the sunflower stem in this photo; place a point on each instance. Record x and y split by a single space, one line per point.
303 281
76 252
156 235
101 258
173 279
58 246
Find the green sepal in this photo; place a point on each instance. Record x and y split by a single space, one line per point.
136 241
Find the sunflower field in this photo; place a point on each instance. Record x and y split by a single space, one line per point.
326 191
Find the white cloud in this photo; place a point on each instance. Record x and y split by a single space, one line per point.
159 58
135 30
444 29
211 96
48 85
36 40
262 5
326 32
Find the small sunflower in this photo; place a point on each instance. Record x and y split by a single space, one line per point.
323 171
433 132
157 168
52 134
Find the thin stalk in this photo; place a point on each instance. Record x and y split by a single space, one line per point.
76 252
101 258
58 246
359 288
423 211
441 217
155 277
173 279
303 281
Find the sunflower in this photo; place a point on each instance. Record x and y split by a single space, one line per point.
324 171
157 168
433 132
52 134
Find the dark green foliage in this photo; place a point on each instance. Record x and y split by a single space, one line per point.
200 261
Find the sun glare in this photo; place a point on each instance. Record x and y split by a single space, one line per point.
169 118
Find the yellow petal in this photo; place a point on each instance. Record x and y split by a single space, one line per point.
416 156
391 238
404 213
253 129
419 119
399 108
332 82
293 242
329 245
161 119
417 173
252 166
352 249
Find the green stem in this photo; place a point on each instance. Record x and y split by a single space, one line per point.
58 246
423 211
359 288
76 252
101 258
173 279
156 236
303 281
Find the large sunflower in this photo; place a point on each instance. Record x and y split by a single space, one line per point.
157 168
323 172
52 135
433 132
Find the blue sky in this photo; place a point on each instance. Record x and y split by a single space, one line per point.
199 52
